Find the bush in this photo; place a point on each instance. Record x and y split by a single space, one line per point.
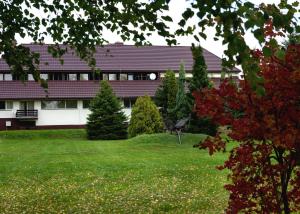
107 121
145 118
202 125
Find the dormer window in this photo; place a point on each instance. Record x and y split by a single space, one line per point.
30 77
6 77
72 77
84 76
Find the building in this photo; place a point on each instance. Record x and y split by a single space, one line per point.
132 71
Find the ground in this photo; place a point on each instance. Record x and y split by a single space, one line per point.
62 172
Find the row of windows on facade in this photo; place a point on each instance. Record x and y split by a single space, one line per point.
63 104
82 76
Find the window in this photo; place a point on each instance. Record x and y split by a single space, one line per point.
123 76
2 105
86 103
72 77
9 105
130 76
8 77
84 76
59 104
105 77
6 105
71 103
1 77
44 76
112 76
30 77
129 102
53 104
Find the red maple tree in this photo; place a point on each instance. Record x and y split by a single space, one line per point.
265 165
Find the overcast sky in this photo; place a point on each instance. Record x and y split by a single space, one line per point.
176 9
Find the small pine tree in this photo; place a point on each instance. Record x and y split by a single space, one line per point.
182 108
145 118
198 82
165 96
107 121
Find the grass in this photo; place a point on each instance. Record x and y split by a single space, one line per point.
61 172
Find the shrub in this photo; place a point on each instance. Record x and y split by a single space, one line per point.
107 120
145 118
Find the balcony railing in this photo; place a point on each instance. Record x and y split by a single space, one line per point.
27 114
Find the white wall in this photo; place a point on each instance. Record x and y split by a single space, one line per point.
58 116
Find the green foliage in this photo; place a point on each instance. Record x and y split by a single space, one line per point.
131 19
107 120
200 76
182 108
64 23
165 96
198 82
145 118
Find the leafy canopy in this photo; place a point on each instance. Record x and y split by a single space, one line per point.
106 121
80 25
265 166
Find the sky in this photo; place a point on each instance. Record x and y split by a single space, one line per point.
177 7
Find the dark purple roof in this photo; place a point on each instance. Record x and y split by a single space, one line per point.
73 89
125 58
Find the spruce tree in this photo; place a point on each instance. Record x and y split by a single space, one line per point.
165 96
200 76
145 118
199 81
106 121
182 108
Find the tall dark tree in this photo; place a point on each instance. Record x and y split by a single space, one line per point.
165 97
200 75
107 121
198 82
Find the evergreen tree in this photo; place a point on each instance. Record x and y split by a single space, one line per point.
165 96
107 120
145 118
200 76
198 82
182 108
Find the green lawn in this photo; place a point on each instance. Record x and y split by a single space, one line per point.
62 172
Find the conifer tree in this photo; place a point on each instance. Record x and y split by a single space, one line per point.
182 108
145 118
107 120
165 96
200 76
198 82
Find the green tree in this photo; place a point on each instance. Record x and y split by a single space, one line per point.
165 96
106 121
145 118
182 108
200 75
198 82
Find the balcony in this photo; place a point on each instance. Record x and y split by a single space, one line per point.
27 114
